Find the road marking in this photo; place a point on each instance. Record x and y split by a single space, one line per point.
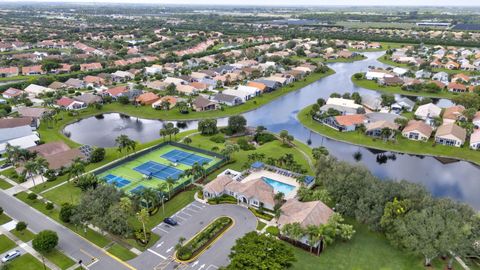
201 267
170 249
183 219
158 254
213 267
159 245
194 264
193 210
162 230
186 214
196 206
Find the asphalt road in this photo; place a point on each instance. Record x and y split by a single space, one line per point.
69 242
192 219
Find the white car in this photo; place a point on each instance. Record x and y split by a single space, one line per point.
11 255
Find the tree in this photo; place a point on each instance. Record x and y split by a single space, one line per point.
123 142
207 126
259 251
76 169
170 183
143 217
21 226
317 152
85 182
229 149
187 140
98 154
236 124
402 122
358 76
30 170
45 241
66 212
285 137
387 99
123 100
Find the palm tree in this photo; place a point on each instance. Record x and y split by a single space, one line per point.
30 169
123 142
279 197
76 169
151 197
13 153
143 217
170 183
313 235
42 166
385 133
297 231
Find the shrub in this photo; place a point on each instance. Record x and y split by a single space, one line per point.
32 196
66 212
49 206
264 137
245 145
273 230
97 155
219 138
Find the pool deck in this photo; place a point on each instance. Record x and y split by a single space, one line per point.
277 177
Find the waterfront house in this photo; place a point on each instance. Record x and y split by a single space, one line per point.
428 111
450 134
88 98
345 123
375 129
372 102
147 98
403 104
475 140
226 99
201 104
70 104
417 131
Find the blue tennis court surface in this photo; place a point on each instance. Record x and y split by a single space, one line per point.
158 170
138 189
116 180
185 158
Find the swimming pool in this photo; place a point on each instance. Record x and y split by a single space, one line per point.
279 186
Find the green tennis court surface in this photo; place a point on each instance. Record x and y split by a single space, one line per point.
155 167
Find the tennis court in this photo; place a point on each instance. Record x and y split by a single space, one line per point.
158 170
151 169
180 156
116 180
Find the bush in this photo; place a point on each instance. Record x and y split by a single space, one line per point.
223 199
49 206
66 212
32 196
264 137
219 138
261 215
50 175
97 155
245 145
273 230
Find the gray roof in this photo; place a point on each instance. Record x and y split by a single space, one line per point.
74 83
7 134
220 97
372 102
88 98
407 101
268 83
377 116
342 109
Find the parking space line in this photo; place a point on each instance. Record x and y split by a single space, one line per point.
158 254
194 205
193 210
186 214
181 218
161 229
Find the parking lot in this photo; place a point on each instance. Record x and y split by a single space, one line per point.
192 219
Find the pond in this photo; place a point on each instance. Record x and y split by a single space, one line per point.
455 179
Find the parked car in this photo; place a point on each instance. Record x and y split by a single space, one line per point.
170 221
5 165
11 255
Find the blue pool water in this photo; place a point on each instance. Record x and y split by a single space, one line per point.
279 186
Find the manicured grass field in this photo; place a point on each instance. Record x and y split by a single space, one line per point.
25 235
4 219
366 250
26 262
59 259
126 170
372 85
401 144
260 225
4 184
121 252
6 244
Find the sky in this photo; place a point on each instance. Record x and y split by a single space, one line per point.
437 3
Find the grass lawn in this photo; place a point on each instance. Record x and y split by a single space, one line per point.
4 219
366 250
25 235
66 193
26 262
270 149
372 85
10 173
4 184
6 244
401 145
338 60
59 259
260 225
385 46
121 252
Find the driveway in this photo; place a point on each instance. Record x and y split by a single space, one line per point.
192 219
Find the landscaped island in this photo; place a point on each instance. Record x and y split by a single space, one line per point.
400 144
203 239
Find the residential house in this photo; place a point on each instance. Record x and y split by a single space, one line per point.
422 74
243 92
32 70
260 86
90 66
226 99
171 100
35 90
58 154
8 72
457 88
428 111
56 85
157 85
453 114
121 76
12 93
402 104
201 104
451 135
270 85
476 120
93 81
345 123
305 213
117 91
75 83
343 106
441 77
70 104
475 140
375 129
417 131
186 89
372 102
88 98
147 98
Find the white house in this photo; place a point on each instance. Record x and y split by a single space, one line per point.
428 111
35 90
375 75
